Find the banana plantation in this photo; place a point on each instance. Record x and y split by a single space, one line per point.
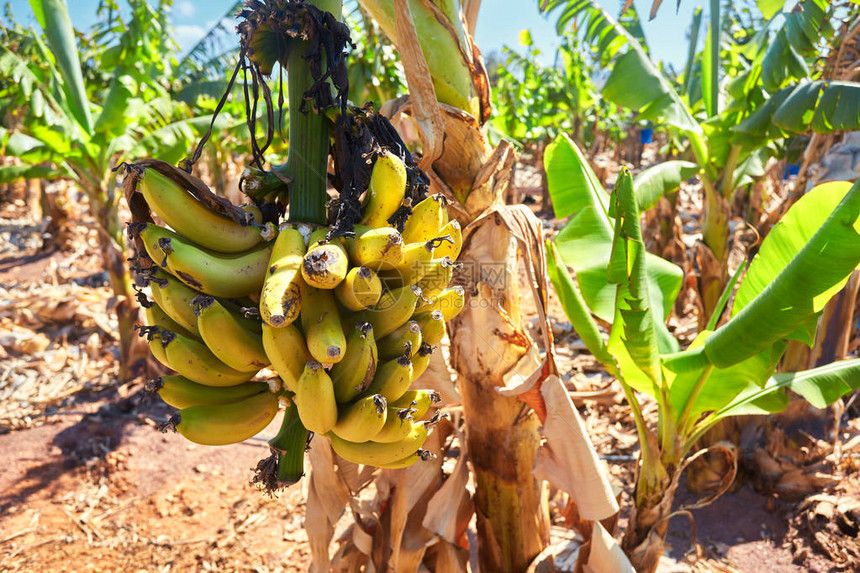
430 286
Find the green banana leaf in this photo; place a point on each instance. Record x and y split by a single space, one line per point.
770 8
658 180
797 40
9 173
695 26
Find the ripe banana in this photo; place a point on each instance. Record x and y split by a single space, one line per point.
360 289
418 400
450 301
191 218
155 316
395 343
180 392
438 276
196 362
425 221
404 463
157 344
216 274
281 298
361 420
290 444
421 360
450 248
222 424
228 337
321 325
325 264
393 309
392 378
315 399
398 424
379 248
355 372
374 453
386 191
432 326
416 262
286 349
175 298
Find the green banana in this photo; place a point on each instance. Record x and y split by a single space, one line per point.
360 289
432 326
180 392
437 278
394 344
416 262
374 453
425 221
196 362
155 316
174 298
215 274
286 349
392 378
362 419
421 360
450 249
222 424
230 337
321 325
290 445
281 298
398 424
355 372
393 309
418 400
386 191
379 248
191 218
450 301
325 264
315 399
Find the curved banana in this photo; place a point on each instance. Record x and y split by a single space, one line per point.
437 278
421 360
355 372
281 298
404 463
360 289
393 309
379 248
361 420
394 344
398 424
290 445
325 264
386 191
286 349
450 301
156 346
417 258
450 249
321 325
196 362
375 453
155 316
425 221
418 400
432 326
174 298
392 378
191 218
180 392
228 337
222 424
216 274
314 399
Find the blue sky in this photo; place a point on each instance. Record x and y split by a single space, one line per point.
499 23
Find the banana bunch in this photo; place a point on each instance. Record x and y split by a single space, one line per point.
348 324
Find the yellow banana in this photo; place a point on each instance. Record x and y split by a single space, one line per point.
355 372
290 445
374 453
386 191
398 424
191 218
360 289
421 360
180 392
155 316
281 298
156 346
175 298
404 463
215 274
315 399
432 326
362 419
222 424
438 276
417 400
196 362
321 325
379 248
392 378
230 337
450 248
416 262
395 343
325 264
425 221
287 351
393 309
450 301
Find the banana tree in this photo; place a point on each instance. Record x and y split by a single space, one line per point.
77 122
726 371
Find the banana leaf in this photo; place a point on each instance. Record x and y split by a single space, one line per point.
797 40
658 180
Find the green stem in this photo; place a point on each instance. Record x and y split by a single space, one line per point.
687 409
715 55
729 170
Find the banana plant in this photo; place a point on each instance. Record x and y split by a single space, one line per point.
726 371
76 121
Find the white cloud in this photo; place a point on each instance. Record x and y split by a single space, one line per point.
184 9
186 36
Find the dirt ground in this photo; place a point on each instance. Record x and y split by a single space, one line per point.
88 483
